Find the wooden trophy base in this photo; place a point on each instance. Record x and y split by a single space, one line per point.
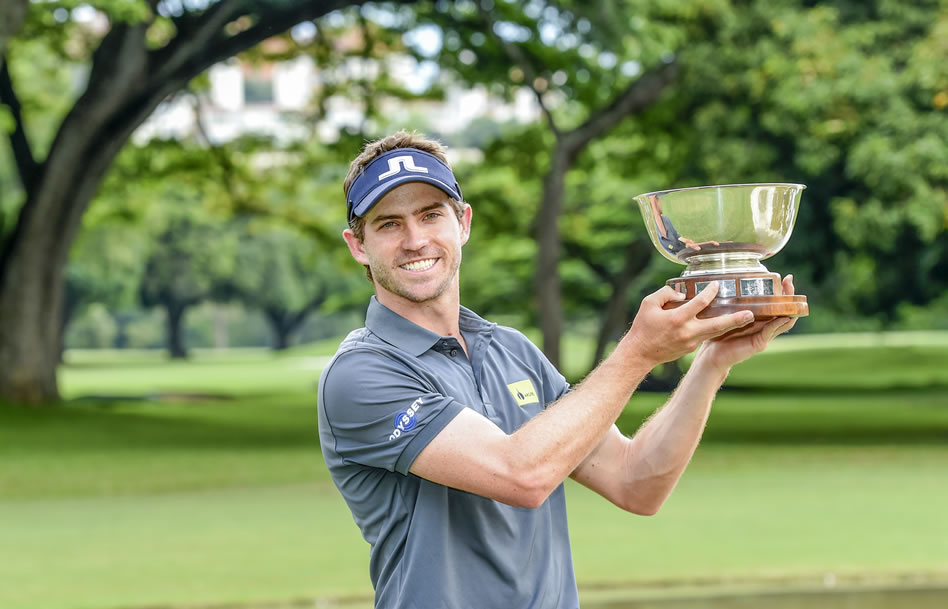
761 293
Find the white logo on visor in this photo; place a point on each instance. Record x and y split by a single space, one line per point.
397 163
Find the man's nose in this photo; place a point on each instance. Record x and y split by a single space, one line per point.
415 236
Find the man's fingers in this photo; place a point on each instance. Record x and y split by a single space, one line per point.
748 330
788 285
666 295
716 326
701 300
788 323
778 326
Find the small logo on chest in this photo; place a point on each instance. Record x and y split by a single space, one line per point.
524 392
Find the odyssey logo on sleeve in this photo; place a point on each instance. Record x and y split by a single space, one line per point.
406 420
524 392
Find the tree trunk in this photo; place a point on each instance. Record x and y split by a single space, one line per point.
221 335
69 309
174 319
34 256
126 83
569 144
30 304
12 15
547 277
636 259
122 321
664 378
284 324
281 338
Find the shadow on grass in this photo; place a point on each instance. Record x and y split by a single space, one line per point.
819 417
147 425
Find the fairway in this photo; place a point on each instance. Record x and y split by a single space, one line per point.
220 495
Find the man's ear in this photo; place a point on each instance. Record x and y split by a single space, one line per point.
355 246
466 216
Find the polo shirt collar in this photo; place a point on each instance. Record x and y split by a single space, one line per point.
409 336
398 331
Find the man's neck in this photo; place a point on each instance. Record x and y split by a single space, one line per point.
439 315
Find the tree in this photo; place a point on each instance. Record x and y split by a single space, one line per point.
105 266
848 98
149 50
284 274
189 259
586 71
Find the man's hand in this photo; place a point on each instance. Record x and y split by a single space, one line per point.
754 338
659 335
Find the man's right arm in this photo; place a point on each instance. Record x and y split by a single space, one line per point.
523 468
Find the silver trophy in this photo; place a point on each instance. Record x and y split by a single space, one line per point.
722 233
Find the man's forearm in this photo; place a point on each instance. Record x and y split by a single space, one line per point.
659 452
554 443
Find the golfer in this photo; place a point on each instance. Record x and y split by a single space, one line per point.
450 436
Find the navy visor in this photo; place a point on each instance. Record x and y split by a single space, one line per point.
394 168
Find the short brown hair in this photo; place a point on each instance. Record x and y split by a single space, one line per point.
399 139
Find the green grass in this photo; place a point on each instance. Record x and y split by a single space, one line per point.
144 373
849 361
224 498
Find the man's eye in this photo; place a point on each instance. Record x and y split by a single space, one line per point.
387 225
432 215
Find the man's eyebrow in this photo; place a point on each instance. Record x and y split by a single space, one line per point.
424 209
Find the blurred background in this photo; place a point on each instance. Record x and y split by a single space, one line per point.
172 281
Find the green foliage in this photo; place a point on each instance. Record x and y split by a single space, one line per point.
503 191
96 330
577 55
846 101
847 97
190 257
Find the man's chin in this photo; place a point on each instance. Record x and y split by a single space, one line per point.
417 296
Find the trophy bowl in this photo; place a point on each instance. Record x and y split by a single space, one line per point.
721 233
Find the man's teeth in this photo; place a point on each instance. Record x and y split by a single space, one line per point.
420 265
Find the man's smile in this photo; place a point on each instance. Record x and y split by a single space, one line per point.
419 265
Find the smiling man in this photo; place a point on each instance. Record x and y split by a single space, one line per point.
450 437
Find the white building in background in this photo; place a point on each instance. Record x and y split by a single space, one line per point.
246 99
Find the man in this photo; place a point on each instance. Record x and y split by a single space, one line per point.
450 437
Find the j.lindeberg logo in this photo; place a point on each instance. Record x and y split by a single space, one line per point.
397 163
406 420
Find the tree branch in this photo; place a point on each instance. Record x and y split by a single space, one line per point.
25 161
520 58
208 44
193 32
12 15
575 250
635 98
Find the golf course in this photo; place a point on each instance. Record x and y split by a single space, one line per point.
201 484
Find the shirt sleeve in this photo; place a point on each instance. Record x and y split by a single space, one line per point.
380 414
554 383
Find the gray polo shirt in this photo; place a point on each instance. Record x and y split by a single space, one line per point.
389 390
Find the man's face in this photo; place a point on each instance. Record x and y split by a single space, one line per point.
412 243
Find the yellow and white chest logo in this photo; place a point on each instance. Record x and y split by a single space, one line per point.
524 392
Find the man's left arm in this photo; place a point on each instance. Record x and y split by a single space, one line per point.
639 473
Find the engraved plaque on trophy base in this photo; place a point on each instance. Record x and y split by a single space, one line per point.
760 293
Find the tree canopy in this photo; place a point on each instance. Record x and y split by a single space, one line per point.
848 98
